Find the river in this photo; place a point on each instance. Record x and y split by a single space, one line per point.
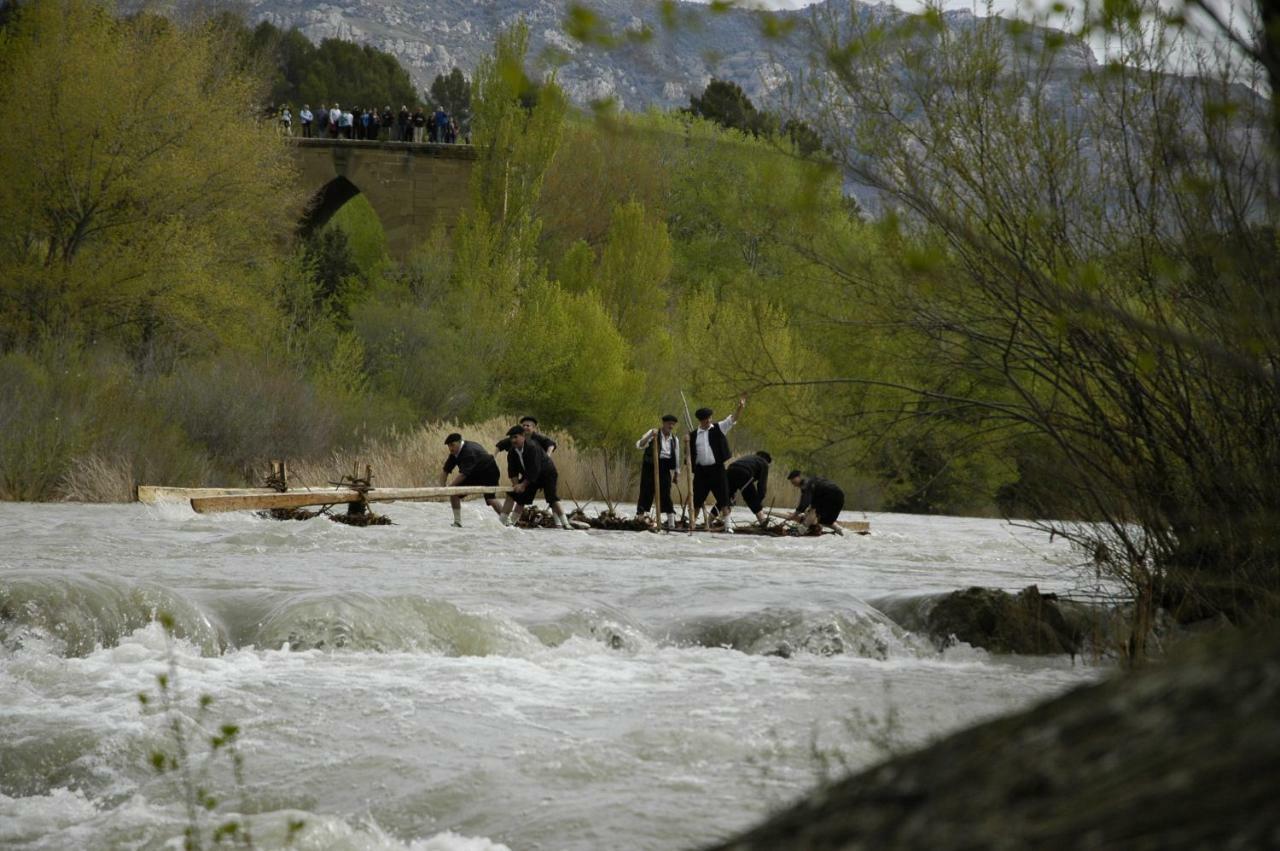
418 686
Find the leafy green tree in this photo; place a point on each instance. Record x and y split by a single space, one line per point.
724 102
569 361
1092 274
516 140
634 269
453 92
336 70
141 200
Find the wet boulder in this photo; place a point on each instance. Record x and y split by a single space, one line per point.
1179 755
1027 622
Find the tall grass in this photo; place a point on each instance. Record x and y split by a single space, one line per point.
415 458
87 426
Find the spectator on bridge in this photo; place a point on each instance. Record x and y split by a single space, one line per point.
348 122
403 124
286 121
419 124
388 123
322 120
306 117
442 122
364 122
451 135
335 119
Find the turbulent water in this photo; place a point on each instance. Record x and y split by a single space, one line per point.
420 686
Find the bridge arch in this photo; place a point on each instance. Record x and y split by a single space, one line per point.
412 187
325 203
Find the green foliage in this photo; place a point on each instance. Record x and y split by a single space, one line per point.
453 92
118 222
724 102
1104 312
335 71
568 361
243 410
634 270
518 126
65 413
365 237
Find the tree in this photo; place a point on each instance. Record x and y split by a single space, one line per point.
634 269
453 92
141 199
725 103
1089 270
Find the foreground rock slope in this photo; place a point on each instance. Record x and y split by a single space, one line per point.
1183 754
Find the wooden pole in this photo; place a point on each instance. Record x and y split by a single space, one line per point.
688 468
657 482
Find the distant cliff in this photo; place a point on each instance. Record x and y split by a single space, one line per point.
432 36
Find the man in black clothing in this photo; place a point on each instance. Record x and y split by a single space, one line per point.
708 451
475 467
668 468
531 470
749 476
821 501
529 425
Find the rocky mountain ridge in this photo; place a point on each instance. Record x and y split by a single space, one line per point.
431 37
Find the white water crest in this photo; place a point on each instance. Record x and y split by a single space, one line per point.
425 687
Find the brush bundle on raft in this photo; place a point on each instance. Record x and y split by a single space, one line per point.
537 518
610 521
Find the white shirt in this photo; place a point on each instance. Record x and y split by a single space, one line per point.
704 456
668 448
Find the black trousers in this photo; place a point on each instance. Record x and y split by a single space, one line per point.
666 468
485 475
741 480
546 484
828 506
710 480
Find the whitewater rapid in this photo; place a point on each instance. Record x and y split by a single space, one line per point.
420 686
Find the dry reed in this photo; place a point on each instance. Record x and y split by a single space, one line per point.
416 458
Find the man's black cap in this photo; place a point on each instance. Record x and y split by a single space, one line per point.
453 438
528 419
794 473
702 413
514 430
669 418
768 459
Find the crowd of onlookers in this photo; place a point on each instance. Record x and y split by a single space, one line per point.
372 124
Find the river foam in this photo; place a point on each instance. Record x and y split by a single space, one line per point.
419 686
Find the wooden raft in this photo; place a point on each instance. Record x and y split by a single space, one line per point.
267 500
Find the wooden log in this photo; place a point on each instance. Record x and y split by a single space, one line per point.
151 494
260 501
858 527
293 499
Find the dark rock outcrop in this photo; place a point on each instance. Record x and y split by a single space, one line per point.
1027 622
1183 754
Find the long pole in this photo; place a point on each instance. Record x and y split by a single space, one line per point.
688 465
657 482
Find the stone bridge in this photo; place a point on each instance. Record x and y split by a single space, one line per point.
412 187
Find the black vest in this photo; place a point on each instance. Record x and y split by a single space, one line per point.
719 445
648 450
